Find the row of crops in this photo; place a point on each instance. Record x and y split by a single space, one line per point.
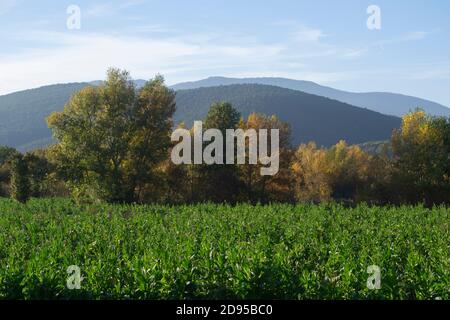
54 249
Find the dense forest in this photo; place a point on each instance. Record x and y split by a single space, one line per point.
114 146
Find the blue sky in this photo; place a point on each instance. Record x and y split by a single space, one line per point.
324 41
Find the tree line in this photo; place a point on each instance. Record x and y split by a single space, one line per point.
114 145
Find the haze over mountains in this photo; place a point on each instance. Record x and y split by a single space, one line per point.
305 105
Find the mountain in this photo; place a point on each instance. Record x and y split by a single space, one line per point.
383 102
23 126
22 114
312 117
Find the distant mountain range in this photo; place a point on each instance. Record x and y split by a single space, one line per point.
383 102
313 118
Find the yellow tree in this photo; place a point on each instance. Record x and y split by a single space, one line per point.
340 172
277 188
347 169
309 167
421 149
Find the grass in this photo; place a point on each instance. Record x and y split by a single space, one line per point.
222 252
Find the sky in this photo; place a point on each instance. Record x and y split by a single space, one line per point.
327 42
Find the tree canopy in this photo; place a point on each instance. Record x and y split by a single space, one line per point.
111 137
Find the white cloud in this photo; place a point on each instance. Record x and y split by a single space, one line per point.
75 57
306 34
354 53
309 42
380 45
78 56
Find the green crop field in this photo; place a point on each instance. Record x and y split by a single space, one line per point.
216 251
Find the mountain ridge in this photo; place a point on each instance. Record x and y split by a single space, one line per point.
312 117
384 102
367 100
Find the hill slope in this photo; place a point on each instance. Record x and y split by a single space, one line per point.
22 114
313 118
383 102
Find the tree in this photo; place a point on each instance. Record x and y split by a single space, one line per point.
6 153
177 188
421 150
20 182
348 170
277 188
309 168
340 173
222 116
112 137
218 182
40 172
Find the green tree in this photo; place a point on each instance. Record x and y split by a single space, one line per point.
112 137
39 171
6 153
20 182
222 116
218 182
421 150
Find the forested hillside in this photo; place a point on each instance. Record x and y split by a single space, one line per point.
22 114
313 118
